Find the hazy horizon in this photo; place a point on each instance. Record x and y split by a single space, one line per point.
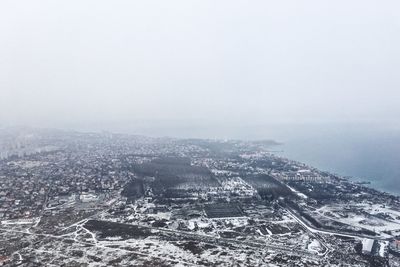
209 80
198 63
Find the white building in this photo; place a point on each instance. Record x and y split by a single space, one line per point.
367 245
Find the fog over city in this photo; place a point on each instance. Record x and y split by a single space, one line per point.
134 65
200 133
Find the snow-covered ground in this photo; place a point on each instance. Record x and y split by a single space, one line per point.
32 221
364 216
297 192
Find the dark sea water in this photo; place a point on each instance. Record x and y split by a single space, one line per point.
366 157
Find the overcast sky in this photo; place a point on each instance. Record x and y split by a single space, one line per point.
116 63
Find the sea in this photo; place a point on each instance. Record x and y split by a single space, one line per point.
366 156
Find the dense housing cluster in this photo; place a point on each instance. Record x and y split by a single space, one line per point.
101 199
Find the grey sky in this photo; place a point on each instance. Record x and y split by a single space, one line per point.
198 62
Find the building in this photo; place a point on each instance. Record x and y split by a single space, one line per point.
367 245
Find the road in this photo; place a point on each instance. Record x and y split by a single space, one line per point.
312 229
